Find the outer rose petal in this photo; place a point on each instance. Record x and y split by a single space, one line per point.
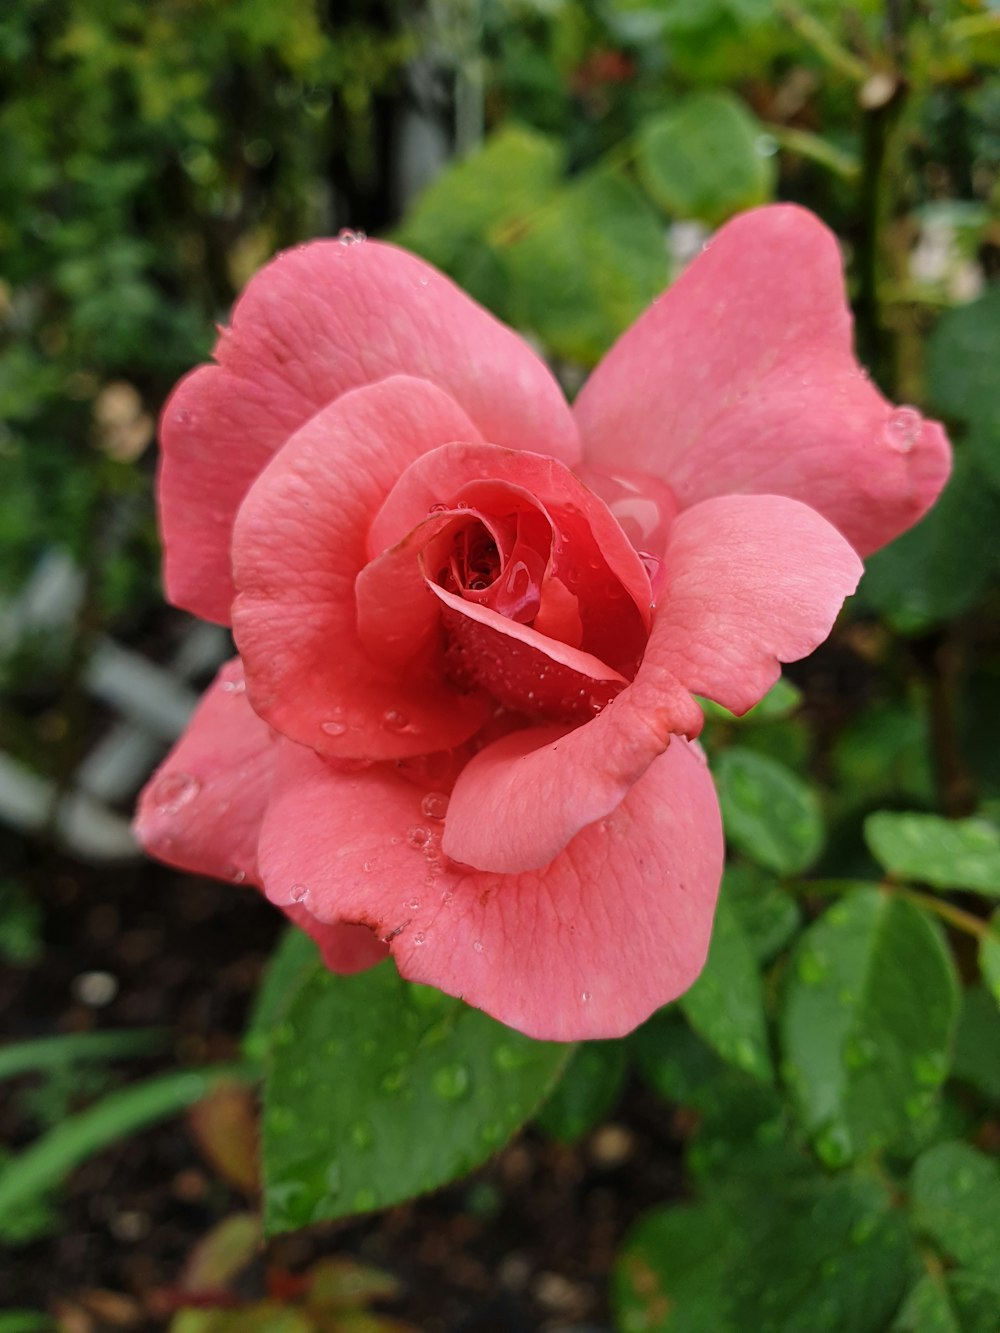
617 925
298 544
751 581
316 322
202 809
742 379
543 785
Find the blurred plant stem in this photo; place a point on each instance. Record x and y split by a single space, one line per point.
967 922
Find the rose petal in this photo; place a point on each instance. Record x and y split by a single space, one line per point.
742 378
751 581
202 808
544 784
617 925
344 947
298 545
318 321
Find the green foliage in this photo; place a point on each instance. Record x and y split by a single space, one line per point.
868 1023
769 813
26 1180
587 265
947 854
703 159
20 925
955 1197
802 1255
726 1004
361 1073
588 1091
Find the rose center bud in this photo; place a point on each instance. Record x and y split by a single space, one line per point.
509 579
533 614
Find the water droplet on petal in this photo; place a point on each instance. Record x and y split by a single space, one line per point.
394 720
175 790
238 876
417 837
419 938
904 429
347 237
434 805
585 996
298 893
413 904
334 727
234 686
477 945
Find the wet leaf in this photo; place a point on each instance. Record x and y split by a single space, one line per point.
726 1004
955 1200
944 853
804 1256
868 1023
377 1090
768 812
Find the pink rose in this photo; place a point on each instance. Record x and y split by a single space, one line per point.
471 620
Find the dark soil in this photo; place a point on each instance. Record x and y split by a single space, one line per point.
527 1243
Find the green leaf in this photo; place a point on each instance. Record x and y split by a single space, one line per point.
500 186
25 1321
989 956
726 1004
363 1073
587 1092
584 267
868 1023
49 1053
882 754
769 915
977 1044
802 1256
955 1201
294 959
677 1063
944 853
29 1176
20 925
768 812
944 565
955 1302
962 360
701 160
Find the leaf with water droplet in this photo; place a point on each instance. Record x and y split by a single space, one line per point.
800 1255
726 1004
869 1016
769 813
955 1197
944 853
418 1094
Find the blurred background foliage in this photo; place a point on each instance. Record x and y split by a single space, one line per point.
563 160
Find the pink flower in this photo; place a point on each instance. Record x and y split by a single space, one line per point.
471 620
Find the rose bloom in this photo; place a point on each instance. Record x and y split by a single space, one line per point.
471 620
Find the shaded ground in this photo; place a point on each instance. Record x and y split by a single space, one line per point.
526 1243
